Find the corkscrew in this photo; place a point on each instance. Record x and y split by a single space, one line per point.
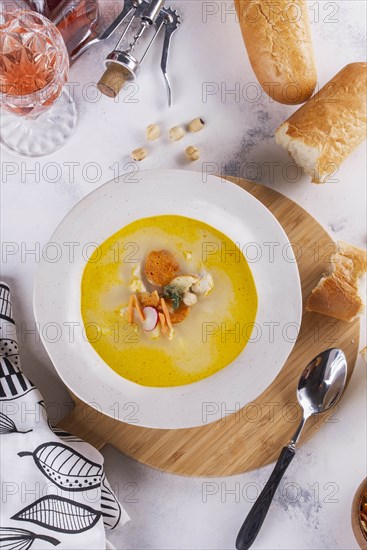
122 64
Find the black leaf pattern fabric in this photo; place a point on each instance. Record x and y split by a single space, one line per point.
7 425
12 381
110 506
62 434
73 494
21 539
65 436
60 514
6 312
67 468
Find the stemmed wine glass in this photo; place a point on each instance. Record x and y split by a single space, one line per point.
37 113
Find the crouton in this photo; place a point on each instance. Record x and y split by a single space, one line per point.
177 315
184 282
160 267
149 300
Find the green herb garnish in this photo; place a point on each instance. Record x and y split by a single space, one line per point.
173 293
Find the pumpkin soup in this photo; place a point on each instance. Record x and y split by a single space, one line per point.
168 300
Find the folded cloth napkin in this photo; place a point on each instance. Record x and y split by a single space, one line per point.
53 487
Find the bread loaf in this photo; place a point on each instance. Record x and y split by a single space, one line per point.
337 294
277 36
324 131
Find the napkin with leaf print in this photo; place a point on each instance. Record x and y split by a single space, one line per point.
53 488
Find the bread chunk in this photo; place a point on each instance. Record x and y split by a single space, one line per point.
324 131
337 294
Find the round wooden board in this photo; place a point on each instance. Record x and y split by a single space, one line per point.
253 436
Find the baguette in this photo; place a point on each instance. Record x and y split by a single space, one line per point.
324 131
337 294
277 36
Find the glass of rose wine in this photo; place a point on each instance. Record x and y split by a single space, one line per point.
37 113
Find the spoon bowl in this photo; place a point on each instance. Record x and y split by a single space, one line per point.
322 382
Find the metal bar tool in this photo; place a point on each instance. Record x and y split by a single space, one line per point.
122 64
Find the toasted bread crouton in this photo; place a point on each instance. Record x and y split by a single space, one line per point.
177 315
149 300
160 267
184 282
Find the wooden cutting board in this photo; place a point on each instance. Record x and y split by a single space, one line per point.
253 436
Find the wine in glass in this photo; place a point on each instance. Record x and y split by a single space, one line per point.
37 113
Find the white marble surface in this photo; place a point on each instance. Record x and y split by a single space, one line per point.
169 512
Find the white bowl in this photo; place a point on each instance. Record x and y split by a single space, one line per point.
222 205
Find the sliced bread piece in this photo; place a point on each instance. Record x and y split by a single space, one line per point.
337 294
324 131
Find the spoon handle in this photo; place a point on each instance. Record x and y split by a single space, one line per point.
255 518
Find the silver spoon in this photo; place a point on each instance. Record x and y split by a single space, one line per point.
319 388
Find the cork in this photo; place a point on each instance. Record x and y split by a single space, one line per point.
113 80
